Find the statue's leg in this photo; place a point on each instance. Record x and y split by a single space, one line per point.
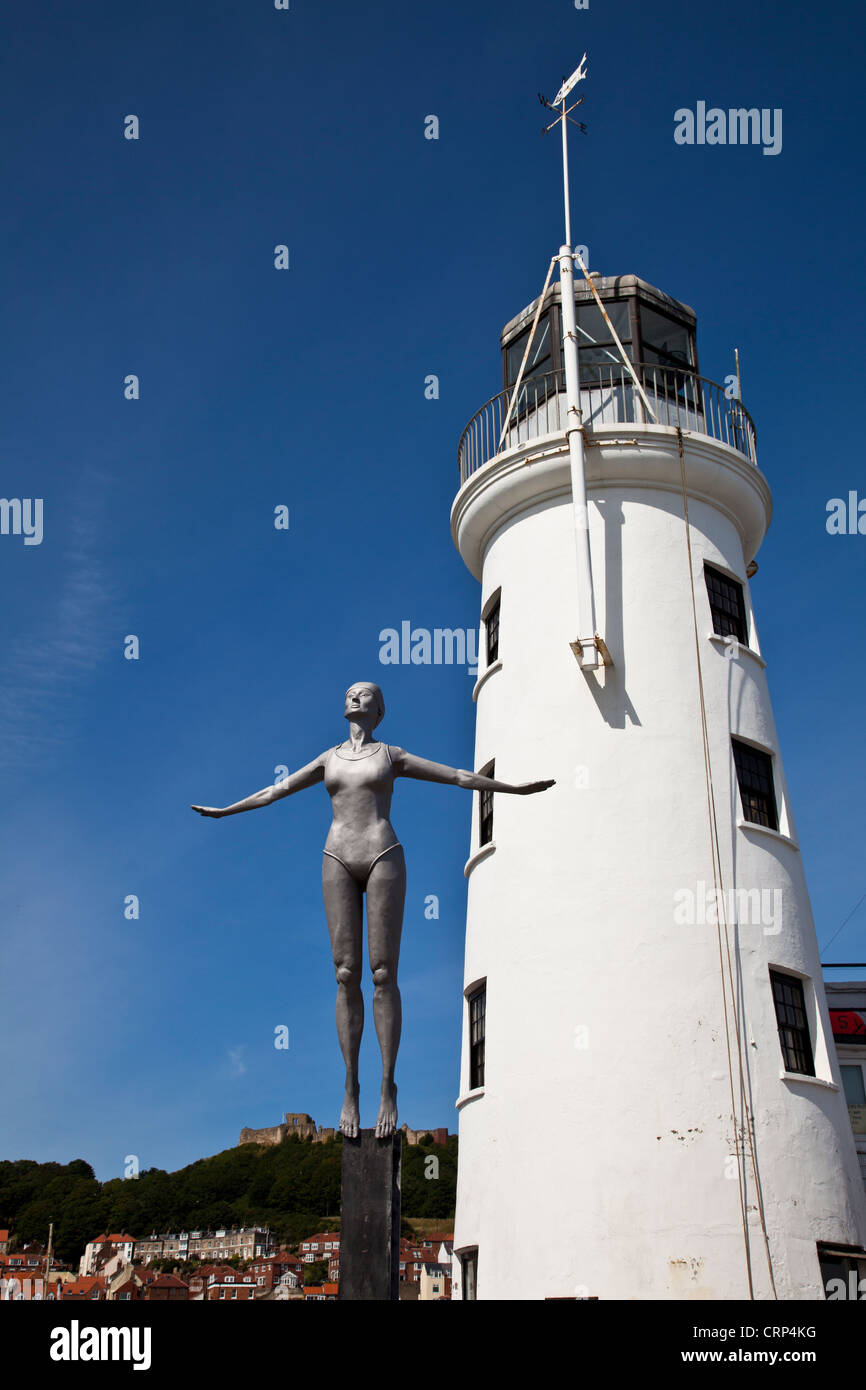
386 890
344 911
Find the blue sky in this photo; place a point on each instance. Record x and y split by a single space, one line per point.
306 388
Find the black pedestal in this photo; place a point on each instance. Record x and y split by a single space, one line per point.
370 1218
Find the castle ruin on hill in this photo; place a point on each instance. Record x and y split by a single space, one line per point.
305 1127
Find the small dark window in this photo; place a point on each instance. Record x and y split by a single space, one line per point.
492 628
726 605
755 778
477 1025
852 1084
469 1262
485 810
838 1265
793 1023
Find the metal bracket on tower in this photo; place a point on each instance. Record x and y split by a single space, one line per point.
589 650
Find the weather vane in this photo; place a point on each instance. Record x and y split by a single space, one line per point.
567 83
563 118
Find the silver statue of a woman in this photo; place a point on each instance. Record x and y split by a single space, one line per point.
363 855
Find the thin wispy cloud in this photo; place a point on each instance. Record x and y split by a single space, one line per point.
46 668
237 1065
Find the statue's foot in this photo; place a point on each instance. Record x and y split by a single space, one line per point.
386 1124
350 1116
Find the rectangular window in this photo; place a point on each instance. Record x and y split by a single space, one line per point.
852 1082
469 1263
755 778
793 1023
485 810
727 605
491 625
477 1033
841 1271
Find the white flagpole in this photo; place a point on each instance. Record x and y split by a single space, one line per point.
566 199
585 647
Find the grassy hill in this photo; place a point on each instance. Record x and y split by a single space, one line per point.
290 1187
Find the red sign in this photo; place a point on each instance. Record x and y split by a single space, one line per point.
848 1024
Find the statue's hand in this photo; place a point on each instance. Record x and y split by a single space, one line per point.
208 811
530 788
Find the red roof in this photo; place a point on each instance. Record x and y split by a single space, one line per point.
168 1281
86 1284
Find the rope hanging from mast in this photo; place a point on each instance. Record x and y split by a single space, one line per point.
722 930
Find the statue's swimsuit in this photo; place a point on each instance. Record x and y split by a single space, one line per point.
360 790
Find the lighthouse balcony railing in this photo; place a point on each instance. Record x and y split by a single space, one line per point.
678 398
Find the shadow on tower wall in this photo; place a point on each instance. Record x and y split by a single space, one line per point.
609 690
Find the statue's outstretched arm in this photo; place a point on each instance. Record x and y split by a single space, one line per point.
407 765
296 782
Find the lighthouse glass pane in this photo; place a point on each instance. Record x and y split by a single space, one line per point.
793 1023
664 340
592 328
600 362
539 354
755 778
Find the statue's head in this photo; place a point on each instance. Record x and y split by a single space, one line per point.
364 700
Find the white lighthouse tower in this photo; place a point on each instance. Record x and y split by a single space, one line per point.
650 1105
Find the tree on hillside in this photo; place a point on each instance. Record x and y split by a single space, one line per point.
429 1188
288 1187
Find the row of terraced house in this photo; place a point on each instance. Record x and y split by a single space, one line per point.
117 1266
433 1250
